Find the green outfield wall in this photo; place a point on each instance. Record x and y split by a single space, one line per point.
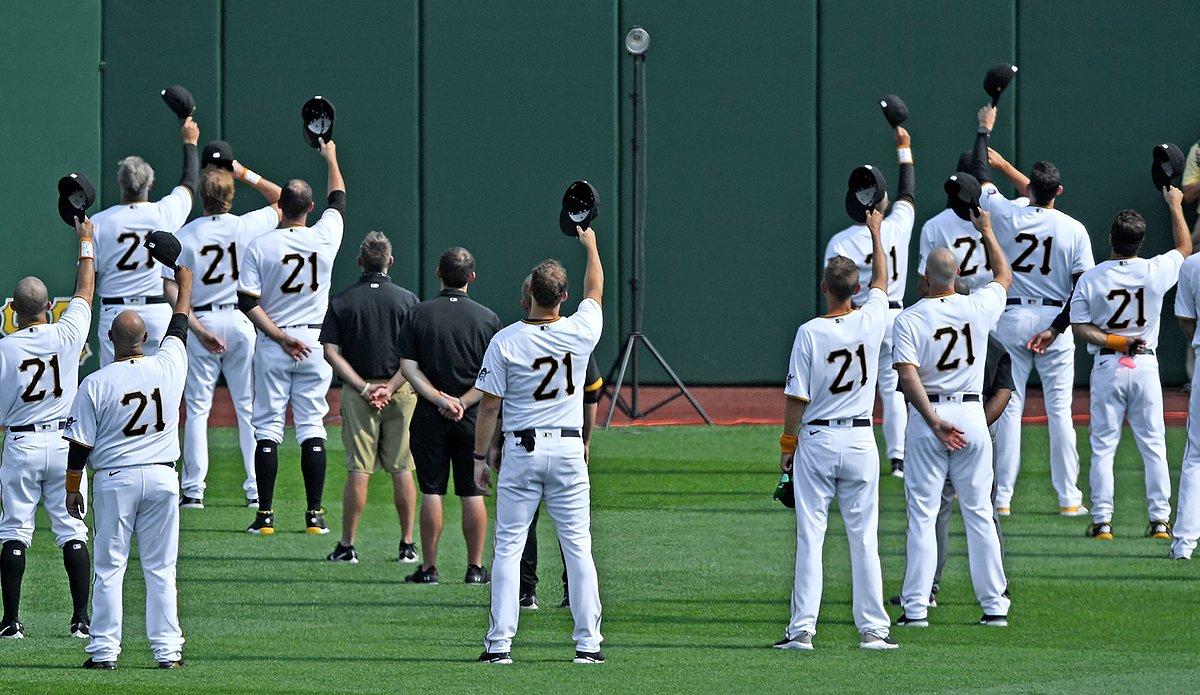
461 123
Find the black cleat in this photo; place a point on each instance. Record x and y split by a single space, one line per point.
343 553
898 468
566 602
1159 528
423 576
496 658
905 621
314 520
170 664
408 553
994 620
477 575
252 503
100 665
186 502
81 628
12 629
529 601
264 523
596 657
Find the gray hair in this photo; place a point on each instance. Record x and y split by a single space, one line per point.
30 297
134 177
375 252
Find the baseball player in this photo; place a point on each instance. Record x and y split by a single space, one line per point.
127 277
530 368
1049 250
283 287
1187 516
1116 309
39 375
125 424
224 343
854 242
831 384
939 355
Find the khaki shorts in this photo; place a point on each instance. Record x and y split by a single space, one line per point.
377 439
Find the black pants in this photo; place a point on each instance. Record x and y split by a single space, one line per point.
529 578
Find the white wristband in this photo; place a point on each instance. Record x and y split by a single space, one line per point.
87 249
904 155
250 177
366 387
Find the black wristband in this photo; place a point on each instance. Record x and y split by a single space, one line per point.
477 457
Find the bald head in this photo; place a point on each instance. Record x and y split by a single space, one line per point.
128 332
30 298
940 269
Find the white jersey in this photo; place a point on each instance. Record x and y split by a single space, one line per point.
854 242
1045 247
539 368
39 367
289 270
213 246
946 338
835 361
1125 296
1187 297
128 412
124 267
948 230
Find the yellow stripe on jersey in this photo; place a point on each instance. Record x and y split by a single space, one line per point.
594 386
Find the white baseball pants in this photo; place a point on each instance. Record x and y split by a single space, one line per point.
555 471
1186 531
895 411
970 471
279 380
232 327
1057 369
34 469
1120 393
839 462
156 316
141 501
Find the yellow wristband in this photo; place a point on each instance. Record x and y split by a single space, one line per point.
787 443
73 480
1116 342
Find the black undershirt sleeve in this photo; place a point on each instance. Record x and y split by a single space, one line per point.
337 201
1063 321
983 170
178 327
77 456
191 168
908 183
247 302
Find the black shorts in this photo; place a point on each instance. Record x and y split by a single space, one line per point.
439 445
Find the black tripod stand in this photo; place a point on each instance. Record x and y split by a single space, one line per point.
629 357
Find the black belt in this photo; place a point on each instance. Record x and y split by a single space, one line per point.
1108 351
965 398
533 433
314 326
1017 301
61 424
168 464
122 300
210 307
895 305
856 422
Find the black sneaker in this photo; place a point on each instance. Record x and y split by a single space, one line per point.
186 502
81 628
596 657
905 621
170 664
1102 530
801 642
423 576
529 601
898 468
343 553
477 575
314 520
100 665
12 629
264 523
496 658
1159 529
994 620
408 552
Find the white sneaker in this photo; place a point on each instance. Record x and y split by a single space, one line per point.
801 642
1073 511
871 640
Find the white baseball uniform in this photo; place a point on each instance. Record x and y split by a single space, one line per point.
1045 248
1124 297
948 230
538 368
854 243
39 376
212 248
1186 531
289 271
126 276
833 368
945 337
127 413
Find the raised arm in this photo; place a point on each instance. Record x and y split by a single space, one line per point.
1179 229
1019 181
908 176
189 132
85 277
593 276
329 154
269 189
879 271
1002 272
987 121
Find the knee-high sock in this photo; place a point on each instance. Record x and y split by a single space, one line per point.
79 568
12 571
266 468
312 465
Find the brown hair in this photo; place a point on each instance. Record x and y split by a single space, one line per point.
216 189
841 278
548 283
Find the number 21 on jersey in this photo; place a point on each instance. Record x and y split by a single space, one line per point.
543 392
842 359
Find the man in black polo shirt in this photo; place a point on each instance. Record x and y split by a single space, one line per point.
360 333
441 351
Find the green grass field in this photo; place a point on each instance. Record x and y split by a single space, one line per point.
695 563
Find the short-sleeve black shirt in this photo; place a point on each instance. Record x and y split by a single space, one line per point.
446 336
365 320
997 370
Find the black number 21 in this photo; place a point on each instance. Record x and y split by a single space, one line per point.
540 393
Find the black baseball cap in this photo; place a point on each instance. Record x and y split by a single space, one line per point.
317 114
580 205
867 189
997 78
1167 165
75 195
894 109
179 100
962 194
217 153
163 247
